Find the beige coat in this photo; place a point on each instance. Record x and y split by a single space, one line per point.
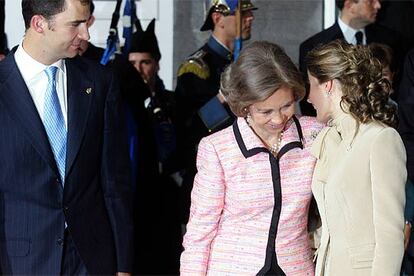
358 184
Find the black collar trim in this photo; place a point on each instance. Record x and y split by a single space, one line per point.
251 152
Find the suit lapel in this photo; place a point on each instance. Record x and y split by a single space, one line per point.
370 33
80 90
337 32
19 103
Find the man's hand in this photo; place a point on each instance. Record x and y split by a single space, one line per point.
407 234
123 274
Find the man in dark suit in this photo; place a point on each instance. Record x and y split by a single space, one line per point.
406 111
65 203
159 247
354 25
3 37
398 16
133 91
406 130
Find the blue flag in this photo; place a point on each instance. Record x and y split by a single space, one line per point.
237 48
127 23
112 44
232 5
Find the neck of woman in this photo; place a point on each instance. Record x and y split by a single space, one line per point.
272 141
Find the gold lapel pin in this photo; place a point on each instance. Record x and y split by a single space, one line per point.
88 90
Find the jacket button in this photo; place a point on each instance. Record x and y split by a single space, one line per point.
60 241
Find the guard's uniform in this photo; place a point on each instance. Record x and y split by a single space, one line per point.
198 81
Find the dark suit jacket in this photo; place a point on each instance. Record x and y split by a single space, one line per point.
3 37
158 242
95 200
406 130
133 93
398 16
406 111
374 33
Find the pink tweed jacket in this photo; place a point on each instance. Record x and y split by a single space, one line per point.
249 208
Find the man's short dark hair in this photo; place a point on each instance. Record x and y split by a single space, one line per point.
340 4
45 8
92 7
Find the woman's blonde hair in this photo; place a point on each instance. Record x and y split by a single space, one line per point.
365 91
261 69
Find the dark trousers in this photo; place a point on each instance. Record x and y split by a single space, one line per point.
72 264
407 265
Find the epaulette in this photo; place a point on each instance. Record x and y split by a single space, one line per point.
196 65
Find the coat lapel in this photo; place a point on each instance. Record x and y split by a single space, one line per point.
17 99
250 144
370 34
80 90
337 32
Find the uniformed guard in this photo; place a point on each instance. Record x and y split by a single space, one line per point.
159 238
198 84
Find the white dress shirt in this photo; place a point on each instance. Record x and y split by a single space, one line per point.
349 33
36 80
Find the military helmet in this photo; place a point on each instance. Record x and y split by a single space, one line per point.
225 7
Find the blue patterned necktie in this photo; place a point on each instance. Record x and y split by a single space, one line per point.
54 122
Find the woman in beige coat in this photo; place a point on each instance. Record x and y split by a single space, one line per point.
360 175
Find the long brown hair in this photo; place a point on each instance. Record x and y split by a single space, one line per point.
365 91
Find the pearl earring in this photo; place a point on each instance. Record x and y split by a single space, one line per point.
248 119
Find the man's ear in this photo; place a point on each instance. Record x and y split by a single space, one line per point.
157 66
91 20
38 23
348 4
216 17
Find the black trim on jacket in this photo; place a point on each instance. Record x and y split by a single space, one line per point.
271 266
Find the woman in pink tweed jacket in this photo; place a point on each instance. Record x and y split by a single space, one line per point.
251 195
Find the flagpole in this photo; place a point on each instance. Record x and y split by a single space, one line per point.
238 40
113 39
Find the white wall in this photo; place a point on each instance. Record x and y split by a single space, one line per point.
14 24
329 13
146 10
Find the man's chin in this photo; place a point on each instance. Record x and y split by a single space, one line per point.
247 36
72 55
73 52
372 20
